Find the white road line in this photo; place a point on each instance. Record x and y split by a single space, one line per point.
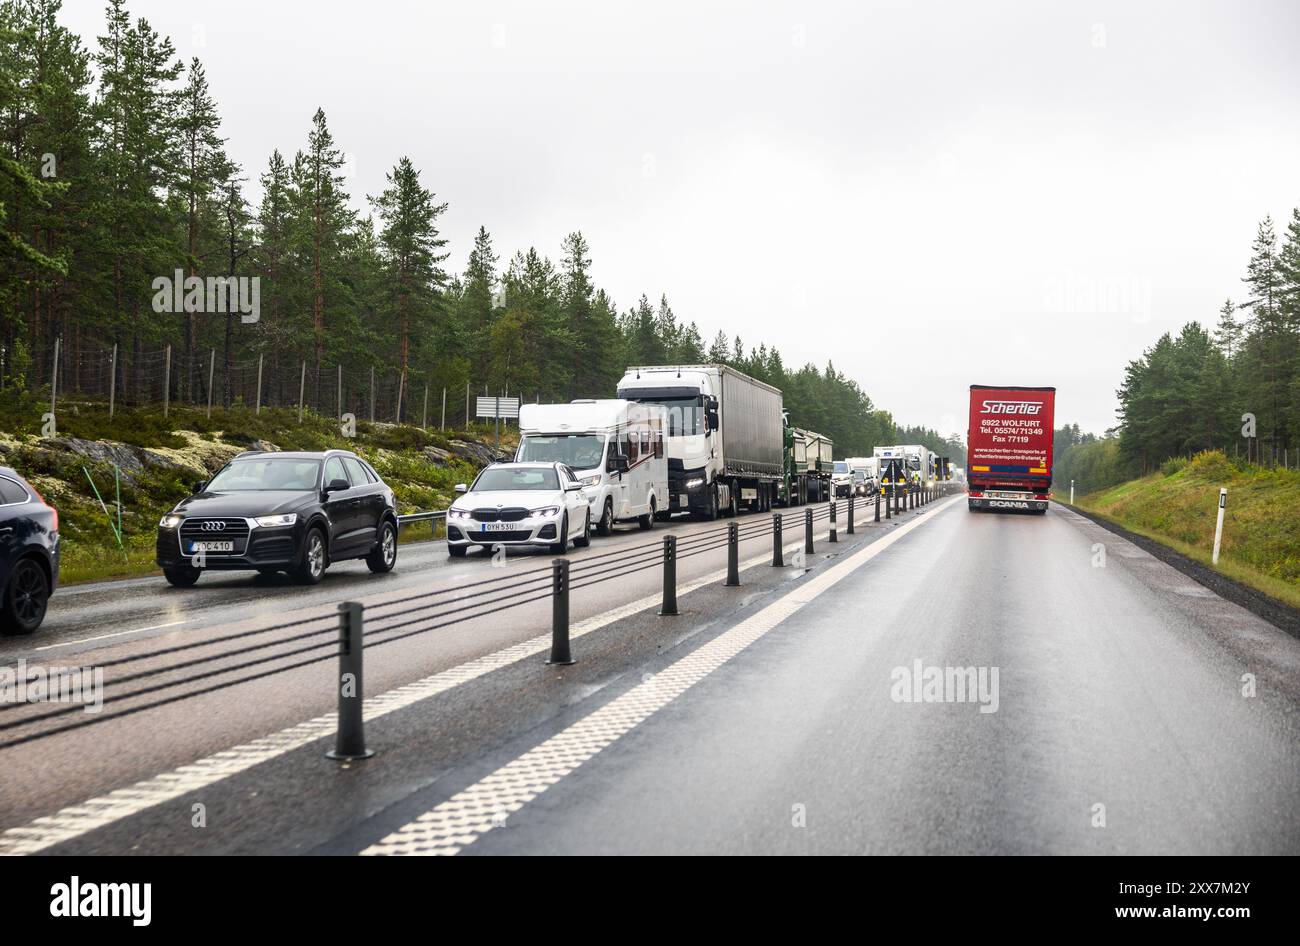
104 637
77 820
471 813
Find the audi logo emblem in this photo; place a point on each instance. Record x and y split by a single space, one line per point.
213 526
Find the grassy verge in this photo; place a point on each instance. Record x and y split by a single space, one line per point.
167 455
1177 507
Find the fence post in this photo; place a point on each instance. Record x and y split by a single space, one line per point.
340 367
112 381
560 613
401 387
778 553
302 389
443 425
733 554
350 742
54 377
670 576
466 405
424 413
258 409
212 368
372 394
834 537
167 379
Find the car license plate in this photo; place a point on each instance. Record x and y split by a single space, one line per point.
498 527
212 546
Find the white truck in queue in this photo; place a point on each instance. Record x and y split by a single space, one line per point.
724 439
614 446
918 460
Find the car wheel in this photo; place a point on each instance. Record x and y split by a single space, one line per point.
312 566
606 519
384 556
562 546
25 597
457 551
648 520
182 577
584 540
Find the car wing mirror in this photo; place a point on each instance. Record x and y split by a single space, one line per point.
337 486
200 486
461 488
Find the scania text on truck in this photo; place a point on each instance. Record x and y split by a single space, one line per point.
615 447
724 437
1009 448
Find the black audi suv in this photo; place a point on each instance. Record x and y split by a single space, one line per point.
291 512
29 554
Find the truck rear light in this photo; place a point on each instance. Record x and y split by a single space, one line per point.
976 493
1042 496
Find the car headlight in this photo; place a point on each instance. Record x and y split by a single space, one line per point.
546 511
591 480
266 522
170 521
458 514
695 483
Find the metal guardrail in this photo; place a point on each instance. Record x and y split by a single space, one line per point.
422 517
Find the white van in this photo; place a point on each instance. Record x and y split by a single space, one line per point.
615 447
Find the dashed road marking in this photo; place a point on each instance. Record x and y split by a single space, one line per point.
77 820
104 637
469 814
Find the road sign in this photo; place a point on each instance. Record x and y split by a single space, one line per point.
491 407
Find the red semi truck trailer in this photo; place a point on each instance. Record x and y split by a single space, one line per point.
1009 448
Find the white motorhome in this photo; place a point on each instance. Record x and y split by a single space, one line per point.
616 449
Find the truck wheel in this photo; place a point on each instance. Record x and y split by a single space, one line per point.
606 525
648 520
711 511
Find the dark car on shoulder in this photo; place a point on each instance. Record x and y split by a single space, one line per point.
296 512
29 554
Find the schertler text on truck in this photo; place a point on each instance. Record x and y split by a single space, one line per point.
1009 448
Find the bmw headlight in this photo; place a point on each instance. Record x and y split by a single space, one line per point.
267 522
170 521
546 511
454 513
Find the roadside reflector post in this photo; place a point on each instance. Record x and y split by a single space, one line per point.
670 576
850 513
733 554
560 613
834 537
807 532
350 741
888 514
877 505
1071 492
1218 527
778 558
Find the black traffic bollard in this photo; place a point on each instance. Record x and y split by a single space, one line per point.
350 742
733 554
807 532
877 505
778 555
834 537
560 613
670 576
888 508
850 513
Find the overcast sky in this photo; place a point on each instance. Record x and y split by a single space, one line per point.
930 195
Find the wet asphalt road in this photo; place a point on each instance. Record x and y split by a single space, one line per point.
1120 723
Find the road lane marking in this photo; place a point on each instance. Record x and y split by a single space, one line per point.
104 637
74 821
469 814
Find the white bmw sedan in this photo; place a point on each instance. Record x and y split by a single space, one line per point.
520 504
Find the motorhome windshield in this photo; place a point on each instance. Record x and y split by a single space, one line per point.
841 466
577 451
